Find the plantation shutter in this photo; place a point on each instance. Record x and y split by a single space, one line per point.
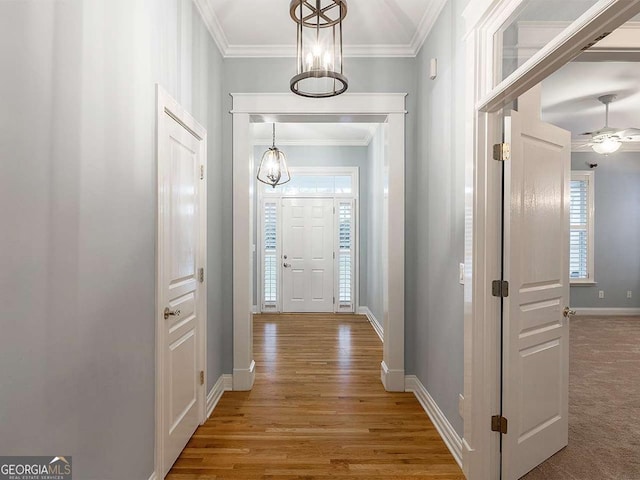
345 257
270 257
580 213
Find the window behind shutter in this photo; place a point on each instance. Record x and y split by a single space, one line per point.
580 238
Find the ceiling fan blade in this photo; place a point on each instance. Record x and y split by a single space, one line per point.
629 135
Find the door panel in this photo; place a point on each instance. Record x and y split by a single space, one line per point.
535 333
180 233
307 249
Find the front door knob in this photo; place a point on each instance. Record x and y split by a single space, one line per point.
286 265
171 313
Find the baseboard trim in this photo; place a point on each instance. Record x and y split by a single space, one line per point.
224 384
255 310
243 378
153 476
393 380
375 323
607 311
445 429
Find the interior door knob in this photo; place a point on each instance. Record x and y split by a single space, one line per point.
170 313
567 312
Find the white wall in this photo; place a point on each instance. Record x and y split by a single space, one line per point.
78 202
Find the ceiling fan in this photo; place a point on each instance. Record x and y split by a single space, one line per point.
609 139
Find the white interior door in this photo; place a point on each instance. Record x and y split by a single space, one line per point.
535 332
181 293
307 255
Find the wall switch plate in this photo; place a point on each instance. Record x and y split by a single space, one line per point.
433 68
628 293
461 274
461 405
601 294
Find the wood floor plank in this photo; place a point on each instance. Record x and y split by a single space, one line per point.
317 411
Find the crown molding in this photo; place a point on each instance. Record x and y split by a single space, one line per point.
426 24
228 50
289 51
210 19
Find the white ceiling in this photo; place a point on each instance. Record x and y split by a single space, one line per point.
263 28
570 96
352 134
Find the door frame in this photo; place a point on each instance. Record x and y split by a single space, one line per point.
388 108
481 453
167 105
278 196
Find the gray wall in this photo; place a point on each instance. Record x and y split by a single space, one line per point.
322 156
617 231
434 338
78 203
271 75
373 283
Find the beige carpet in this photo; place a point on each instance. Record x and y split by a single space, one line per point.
604 403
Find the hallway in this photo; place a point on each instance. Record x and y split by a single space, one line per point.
317 410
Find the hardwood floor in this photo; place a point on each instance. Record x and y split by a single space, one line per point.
317 410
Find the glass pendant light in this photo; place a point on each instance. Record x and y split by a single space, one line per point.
273 168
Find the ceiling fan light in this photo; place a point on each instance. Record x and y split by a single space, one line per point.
607 146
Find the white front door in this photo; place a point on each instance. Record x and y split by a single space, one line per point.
307 255
181 254
536 252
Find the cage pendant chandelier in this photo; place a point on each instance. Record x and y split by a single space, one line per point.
273 168
319 48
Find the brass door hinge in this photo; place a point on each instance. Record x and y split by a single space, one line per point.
201 275
500 288
499 424
501 152
201 377
201 172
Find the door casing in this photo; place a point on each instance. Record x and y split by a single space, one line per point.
166 105
388 108
483 183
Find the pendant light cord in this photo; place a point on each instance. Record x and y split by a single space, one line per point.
274 135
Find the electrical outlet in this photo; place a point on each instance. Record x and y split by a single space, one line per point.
601 294
461 274
628 293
